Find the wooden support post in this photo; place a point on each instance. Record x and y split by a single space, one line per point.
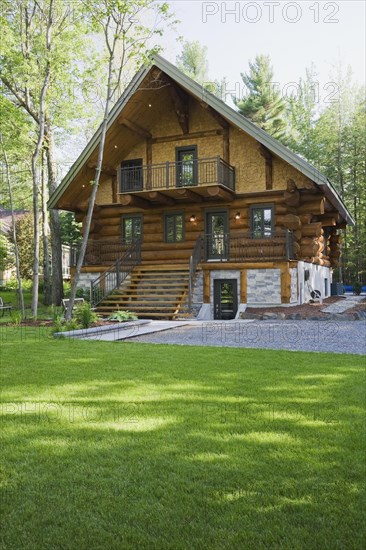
148 162
114 189
206 286
243 286
285 285
267 155
226 146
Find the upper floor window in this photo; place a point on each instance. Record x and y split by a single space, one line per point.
131 228
174 227
262 220
131 175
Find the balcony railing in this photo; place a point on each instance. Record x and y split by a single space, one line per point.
100 252
249 247
173 175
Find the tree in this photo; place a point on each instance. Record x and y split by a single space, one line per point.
70 229
127 33
42 56
24 237
301 115
263 104
4 253
193 61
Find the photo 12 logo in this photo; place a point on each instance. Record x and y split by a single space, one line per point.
270 12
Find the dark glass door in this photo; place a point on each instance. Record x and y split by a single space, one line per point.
131 175
186 158
225 298
217 237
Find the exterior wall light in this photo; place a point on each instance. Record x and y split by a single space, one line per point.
192 218
237 216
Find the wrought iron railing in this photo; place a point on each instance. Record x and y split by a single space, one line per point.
249 247
172 175
194 260
114 276
100 252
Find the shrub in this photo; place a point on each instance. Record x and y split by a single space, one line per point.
12 284
16 317
85 315
122 316
58 324
357 287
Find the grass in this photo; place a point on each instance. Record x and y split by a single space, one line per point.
122 445
11 298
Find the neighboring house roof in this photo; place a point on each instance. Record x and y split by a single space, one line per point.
6 218
227 112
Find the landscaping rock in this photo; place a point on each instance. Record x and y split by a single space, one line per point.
269 316
294 317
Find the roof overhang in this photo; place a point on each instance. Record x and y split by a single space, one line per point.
227 112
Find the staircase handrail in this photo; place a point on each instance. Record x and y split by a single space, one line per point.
115 274
194 260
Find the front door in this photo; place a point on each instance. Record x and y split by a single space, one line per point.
131 175
225 298
217 237
186 158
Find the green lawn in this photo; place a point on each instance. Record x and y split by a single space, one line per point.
119 446
10 298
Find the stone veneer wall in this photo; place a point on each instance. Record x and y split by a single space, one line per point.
197 298
86 278
263 286
293 273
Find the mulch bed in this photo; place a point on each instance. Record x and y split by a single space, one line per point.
305 310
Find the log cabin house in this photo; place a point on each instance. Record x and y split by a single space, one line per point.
199 210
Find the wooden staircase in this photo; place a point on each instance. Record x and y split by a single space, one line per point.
151 291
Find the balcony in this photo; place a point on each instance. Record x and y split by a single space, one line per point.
187 180
248 247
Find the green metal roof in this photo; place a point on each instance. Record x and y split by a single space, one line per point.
227 112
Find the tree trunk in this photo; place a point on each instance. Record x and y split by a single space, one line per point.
87 222
45 239
56 248
14 233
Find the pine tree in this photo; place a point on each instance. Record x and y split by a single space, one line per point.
263 104
301 115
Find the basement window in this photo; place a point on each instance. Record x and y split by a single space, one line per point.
131 229
261 220
174 228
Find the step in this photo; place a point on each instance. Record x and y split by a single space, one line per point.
133 294
138 303
145 268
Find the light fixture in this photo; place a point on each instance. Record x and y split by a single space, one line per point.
83 185
116 146
192 218
237 216
150 105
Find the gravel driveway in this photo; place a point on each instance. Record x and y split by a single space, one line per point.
320 336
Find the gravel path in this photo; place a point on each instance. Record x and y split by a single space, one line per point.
320 336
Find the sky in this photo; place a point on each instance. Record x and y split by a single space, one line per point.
293 34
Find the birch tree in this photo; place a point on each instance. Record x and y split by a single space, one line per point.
13 227
130 30
42 50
